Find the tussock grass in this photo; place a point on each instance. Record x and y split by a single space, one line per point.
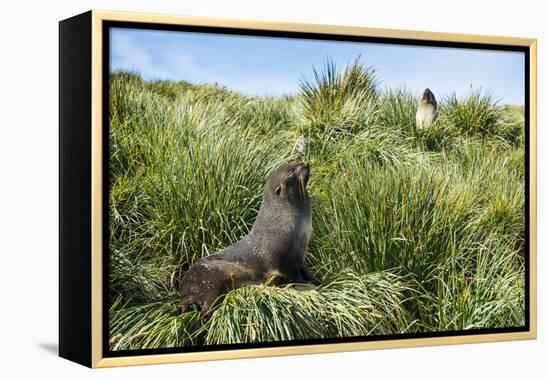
480 287
336 102
153 325
476 114
398 110
413 230
350 305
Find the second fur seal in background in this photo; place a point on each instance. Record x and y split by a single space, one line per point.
272 252
427 107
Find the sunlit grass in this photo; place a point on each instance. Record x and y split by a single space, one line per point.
413 230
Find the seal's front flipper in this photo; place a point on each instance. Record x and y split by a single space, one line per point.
308 276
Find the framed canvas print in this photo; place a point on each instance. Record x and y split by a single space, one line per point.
235 189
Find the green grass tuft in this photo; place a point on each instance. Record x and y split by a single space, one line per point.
350 305
475 115
340 101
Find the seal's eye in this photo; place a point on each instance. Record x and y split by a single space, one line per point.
290 173
278 190
194 307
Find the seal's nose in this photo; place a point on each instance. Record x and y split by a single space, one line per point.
303 172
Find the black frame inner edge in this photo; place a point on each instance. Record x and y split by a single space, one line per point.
107 25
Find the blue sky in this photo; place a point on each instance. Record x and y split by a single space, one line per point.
266 66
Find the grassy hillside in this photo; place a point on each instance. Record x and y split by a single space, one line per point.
413 230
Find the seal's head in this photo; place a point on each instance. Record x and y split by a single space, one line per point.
428 97
288 183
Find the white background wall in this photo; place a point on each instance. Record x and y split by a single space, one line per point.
29 189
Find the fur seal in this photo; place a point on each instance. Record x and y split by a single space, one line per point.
273 252
425 113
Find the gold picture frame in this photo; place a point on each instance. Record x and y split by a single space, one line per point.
81 254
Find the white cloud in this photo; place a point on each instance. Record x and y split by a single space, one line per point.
176 62
128 55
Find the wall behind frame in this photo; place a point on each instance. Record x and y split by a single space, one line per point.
75 94
29 162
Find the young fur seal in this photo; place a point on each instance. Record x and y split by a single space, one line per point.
425 113
273 251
